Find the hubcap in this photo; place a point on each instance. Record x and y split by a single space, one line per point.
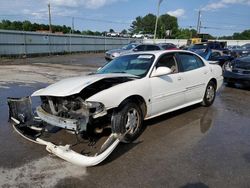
210 93
132 120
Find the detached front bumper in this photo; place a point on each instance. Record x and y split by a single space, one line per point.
33 128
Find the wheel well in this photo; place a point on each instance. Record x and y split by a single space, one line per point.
138 100
214 81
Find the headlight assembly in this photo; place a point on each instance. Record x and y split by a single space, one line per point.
228 66
96 109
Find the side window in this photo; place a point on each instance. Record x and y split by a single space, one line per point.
139 48
168 61
152 48
190 61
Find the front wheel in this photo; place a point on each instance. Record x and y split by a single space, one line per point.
209 94
127 119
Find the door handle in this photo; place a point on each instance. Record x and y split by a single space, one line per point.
179 78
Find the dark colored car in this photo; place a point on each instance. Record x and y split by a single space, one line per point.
215 56
237 71
214 45
238 51
168 46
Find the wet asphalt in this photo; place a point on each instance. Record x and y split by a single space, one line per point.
196 147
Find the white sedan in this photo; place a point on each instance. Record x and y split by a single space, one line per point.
125 92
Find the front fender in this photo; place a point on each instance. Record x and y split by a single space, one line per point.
114 96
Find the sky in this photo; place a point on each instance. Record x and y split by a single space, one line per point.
218 17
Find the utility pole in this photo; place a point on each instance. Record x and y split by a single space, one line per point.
73 25
199 22
157 18
50 27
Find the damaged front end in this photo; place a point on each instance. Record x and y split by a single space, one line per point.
60 118
71 113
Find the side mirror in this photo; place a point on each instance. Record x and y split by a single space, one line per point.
135 50
161 71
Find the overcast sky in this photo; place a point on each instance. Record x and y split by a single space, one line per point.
220 17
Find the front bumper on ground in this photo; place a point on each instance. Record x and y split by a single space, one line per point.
30 128
231 77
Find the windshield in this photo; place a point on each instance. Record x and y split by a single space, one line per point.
136 64
129 46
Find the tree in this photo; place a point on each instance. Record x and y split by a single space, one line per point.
167 22
27 26
146 25
111 30
124 31
137 25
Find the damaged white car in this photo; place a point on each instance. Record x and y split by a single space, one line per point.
111 104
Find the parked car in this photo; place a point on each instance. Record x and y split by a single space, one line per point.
125 92
214 56
168 46
113 34
237 71
112 54
214 45
238 51
138 36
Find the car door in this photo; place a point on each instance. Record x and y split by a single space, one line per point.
168 91
196 74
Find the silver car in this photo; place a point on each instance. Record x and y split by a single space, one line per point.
112 54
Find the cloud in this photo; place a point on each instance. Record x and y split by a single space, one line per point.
224 3
177 13
90 4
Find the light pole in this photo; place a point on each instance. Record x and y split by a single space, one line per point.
199 22
157 18
50 27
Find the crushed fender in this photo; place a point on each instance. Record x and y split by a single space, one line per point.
55 138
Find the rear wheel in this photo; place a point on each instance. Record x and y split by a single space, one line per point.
127 118
209 94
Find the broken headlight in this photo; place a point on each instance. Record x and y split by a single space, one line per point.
96 109
228 67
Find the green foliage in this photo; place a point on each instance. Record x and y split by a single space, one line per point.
245 35
146 25
124 31
111 30
28 26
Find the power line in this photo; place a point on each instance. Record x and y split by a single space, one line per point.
220 28
234 24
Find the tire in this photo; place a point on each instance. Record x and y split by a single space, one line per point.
210 94
127 116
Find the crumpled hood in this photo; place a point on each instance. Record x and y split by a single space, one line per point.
242 63
71 86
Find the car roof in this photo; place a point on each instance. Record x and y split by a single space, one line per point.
160 52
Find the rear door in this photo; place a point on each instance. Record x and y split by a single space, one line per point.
196 74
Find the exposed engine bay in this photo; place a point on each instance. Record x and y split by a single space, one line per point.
69 120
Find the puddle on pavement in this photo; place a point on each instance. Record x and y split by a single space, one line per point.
15 151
